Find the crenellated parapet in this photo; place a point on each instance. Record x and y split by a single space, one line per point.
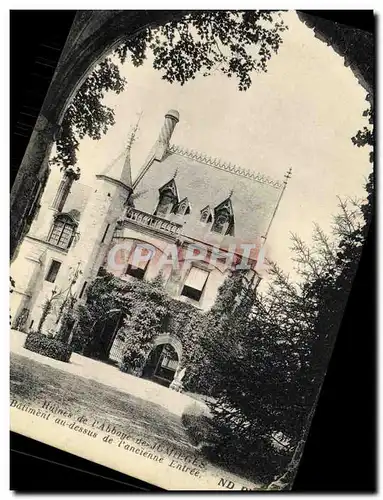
229 167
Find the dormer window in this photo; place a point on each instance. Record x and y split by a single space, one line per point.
168 199
223 222
182 208
165 204
206 216
62 232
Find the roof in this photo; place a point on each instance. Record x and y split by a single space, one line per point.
208 181
119 169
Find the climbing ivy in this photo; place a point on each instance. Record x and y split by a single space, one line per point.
148 311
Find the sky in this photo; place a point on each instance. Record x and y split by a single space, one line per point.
301 114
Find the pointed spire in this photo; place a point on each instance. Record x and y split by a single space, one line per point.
133 132
114 171
126 174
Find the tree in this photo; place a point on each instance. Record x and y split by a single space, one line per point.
146 319
235 43
247 367
265 365
212 337
87 115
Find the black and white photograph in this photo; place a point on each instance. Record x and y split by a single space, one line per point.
186 225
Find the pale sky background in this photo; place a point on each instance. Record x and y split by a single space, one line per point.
301 114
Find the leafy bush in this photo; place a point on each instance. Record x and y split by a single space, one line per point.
50 347
198 425
198 428
243 454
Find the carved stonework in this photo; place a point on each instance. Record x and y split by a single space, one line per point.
230 167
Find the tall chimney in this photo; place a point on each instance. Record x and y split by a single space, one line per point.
171 119
70 175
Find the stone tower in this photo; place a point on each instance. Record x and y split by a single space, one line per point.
111 191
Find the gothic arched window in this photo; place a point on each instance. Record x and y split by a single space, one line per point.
223 222
62 231
182 208
168 199
206 216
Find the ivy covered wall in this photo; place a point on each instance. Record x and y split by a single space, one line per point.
148 312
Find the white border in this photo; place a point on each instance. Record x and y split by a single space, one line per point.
4 200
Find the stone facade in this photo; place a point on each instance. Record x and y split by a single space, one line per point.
184 199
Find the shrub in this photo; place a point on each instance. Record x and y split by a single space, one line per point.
198 428
50 347
198 424
239 452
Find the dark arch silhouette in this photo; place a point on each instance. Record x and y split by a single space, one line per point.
93 35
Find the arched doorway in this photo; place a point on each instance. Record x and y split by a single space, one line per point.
105 345
163 361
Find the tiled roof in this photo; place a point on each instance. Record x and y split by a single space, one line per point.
230 167
209 181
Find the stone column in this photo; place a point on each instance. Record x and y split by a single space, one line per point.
32 168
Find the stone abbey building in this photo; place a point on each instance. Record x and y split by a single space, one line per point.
179 199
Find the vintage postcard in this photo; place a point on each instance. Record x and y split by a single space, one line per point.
186 225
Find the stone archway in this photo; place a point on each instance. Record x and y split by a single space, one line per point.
160 365
93 35
166 338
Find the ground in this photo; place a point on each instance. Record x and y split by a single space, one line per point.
132 405
109 375
33 382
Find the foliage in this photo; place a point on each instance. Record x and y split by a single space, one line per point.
146 320
235 43
206 41
148 311
202 374
47 308
265 357
198 428
87 115
243 361
102 300
50 347
365 136
68 318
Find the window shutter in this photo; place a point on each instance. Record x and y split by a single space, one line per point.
141 264
53 271
196 278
